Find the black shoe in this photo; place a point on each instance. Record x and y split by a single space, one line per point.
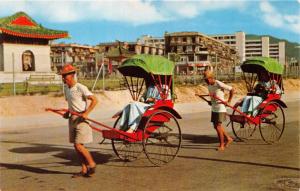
79 174
91 171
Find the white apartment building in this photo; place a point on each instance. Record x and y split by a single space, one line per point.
253 47
158 42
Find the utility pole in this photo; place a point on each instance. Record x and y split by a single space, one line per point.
234 64
216 56
103 73
13 69
62 65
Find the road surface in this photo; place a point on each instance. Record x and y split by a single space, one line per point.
42 159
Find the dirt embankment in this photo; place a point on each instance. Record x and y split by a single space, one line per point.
187 93
31 105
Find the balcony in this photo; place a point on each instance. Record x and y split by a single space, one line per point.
201 52
194 63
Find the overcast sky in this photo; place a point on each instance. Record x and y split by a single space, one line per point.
92 22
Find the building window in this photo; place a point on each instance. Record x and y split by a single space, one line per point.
191 58
179 49
28 63
189 48
183 59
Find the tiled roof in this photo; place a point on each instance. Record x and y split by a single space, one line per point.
21 25
119 53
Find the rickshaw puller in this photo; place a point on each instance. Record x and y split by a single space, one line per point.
79 130
218 114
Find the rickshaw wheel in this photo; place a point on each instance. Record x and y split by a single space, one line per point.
126 150
161 137
272 122
242 131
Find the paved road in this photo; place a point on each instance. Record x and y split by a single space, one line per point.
41 159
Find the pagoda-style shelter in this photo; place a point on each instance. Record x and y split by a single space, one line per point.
117 54
24 47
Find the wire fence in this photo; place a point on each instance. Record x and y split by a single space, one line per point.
116 82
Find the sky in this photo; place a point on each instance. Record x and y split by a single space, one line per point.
93 22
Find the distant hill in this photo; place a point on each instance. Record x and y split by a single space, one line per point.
290 47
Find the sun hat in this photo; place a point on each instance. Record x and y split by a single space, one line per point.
67 69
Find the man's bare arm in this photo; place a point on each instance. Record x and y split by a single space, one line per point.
91 106
231 92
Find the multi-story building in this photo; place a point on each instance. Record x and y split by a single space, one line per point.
115 52
197 51
254 47
81 56
24 48
131 47
151 41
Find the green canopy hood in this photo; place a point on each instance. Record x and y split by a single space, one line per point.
142 65
256 64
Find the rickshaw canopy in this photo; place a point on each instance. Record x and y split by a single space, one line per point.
256 64
142 65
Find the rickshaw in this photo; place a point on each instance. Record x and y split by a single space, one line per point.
158 134
270 118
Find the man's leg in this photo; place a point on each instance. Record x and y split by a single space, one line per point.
218 127
228 137
72 134
86 155
82 160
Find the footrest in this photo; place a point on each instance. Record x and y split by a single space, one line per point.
110 134
238 118
114 134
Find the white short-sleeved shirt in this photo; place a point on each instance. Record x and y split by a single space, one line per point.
77 97
217 89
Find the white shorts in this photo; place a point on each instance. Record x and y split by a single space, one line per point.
79 131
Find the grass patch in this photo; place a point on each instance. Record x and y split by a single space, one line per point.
7 89
109 84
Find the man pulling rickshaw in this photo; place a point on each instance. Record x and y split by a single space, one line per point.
80 132
156 132
262 107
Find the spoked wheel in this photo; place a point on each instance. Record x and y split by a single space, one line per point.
126 150
272 122
242 131
161 137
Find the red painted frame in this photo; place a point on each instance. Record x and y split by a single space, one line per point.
112 133
257 119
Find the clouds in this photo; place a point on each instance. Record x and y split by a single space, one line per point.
144 12
273 17
135 12
188 9
131 11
